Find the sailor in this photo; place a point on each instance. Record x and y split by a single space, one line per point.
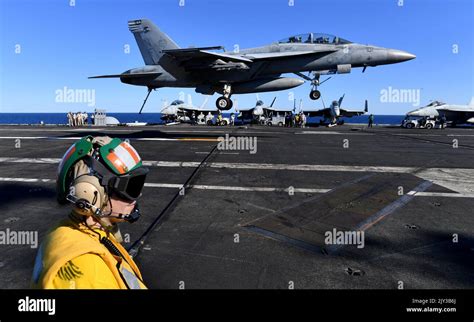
209 118
303 120
232 119
80 115
102 178
287 119
69 119
371 120
442 121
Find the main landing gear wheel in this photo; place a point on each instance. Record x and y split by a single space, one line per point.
314 94
224 103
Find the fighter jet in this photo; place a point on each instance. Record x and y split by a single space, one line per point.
180 111
264 114
332 113
250 70
455 114
256 113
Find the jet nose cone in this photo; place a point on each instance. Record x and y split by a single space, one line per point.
398 56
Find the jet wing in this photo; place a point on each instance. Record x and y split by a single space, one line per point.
246 109
153 74
202 53
245 114
200 58
459 109
458 115
198 110
322 112
348 113
272 109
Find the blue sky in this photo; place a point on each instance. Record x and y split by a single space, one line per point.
61 45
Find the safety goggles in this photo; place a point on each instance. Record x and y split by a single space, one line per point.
129 186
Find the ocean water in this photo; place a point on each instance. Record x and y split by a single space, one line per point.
154 118
60 118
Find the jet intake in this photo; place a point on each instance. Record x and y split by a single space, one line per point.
470 120
344 69
266 85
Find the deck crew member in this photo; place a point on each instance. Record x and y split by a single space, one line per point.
102 178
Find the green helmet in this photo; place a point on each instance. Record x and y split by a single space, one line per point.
114 162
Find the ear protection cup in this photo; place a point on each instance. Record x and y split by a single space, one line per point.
89 195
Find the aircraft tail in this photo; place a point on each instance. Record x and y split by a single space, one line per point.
271 105
340 99
366 109
151 40
190 101
203 105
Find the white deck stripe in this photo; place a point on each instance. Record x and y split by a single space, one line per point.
78 138
257 189
178 186
255 166
460 180
30 160
333 133
444 194
260 189
25 180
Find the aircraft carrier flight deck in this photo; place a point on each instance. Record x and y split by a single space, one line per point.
259 218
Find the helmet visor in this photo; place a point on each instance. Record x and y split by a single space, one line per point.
130 186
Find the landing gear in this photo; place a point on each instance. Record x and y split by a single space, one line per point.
224 102
314 94
146 98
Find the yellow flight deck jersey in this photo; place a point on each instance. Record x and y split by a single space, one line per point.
73 257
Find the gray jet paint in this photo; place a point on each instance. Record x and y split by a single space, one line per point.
455 114
249 70
332 113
